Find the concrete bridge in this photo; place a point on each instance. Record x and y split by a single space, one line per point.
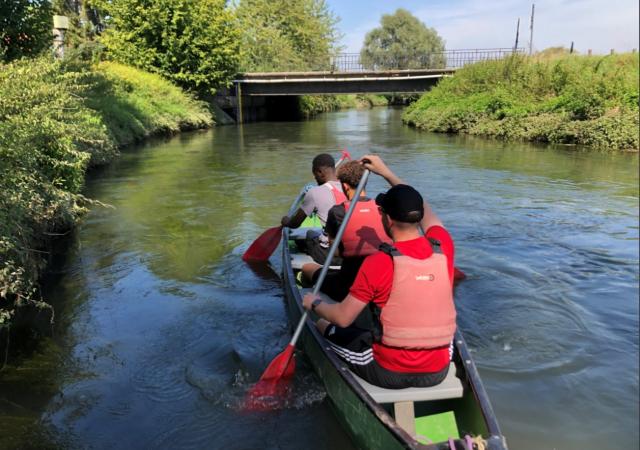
345 74
325 82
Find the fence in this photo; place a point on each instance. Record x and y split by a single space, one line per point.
448 59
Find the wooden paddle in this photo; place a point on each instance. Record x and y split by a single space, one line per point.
264 246
273 382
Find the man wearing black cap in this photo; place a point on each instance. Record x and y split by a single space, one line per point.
410 288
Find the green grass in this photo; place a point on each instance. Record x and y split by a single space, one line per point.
555 98
56 120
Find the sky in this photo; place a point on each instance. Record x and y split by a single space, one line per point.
600 25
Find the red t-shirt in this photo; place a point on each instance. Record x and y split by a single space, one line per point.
373 284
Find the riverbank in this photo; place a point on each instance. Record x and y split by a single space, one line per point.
570 99
311 105
57 119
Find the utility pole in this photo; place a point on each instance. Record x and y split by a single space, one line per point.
515 47
533 10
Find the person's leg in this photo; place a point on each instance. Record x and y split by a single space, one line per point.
353 346
308 271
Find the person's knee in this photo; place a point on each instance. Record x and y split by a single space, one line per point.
309 269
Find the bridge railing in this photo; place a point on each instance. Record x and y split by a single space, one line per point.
448 59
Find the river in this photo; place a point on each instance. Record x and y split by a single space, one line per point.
161 327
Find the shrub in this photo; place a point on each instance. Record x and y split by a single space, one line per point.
550 98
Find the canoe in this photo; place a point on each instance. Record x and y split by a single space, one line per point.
446 416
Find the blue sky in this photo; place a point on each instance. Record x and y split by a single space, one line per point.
592 24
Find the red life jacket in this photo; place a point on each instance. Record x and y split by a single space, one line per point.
338 195
420 313
364 233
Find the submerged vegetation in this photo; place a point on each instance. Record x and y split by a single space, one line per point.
56 120
565 99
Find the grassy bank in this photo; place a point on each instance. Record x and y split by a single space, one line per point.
568 99
56 120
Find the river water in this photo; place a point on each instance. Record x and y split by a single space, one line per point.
161 327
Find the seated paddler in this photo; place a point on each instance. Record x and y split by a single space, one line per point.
318 201
362 236
409 286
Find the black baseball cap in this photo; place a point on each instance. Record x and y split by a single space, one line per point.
402 203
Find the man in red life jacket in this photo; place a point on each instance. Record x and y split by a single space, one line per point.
318 200
411 288
362 237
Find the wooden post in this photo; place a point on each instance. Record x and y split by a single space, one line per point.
239 102
515 48
612 52
571 49
589 52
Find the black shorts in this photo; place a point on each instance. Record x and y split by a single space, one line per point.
338 282
353 346
317 251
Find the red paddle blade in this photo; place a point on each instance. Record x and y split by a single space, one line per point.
269 392
345 154
264 246
458 274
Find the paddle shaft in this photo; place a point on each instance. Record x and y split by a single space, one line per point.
332 251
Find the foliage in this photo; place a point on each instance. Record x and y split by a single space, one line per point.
286 35
194 43
25 28
588 100
402 42
57 118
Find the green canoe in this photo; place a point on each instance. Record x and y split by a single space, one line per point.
442 417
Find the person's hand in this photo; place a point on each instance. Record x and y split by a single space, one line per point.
285 221
307 300
375 164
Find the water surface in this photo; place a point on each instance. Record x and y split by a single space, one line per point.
161 326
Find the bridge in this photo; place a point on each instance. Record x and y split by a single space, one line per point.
346 73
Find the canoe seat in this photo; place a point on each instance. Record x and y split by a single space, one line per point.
299 259
403 399
451 387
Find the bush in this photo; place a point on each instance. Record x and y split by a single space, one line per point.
56 119
554 97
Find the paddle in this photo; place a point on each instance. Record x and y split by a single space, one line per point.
264 246
272 383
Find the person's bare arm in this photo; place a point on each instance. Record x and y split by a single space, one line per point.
342 314
376 165
295 220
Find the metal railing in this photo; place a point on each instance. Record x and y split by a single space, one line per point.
448 59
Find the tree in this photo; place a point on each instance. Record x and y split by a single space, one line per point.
194 43
286 34
402 42
25 28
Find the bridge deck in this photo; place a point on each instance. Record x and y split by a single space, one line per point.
327 82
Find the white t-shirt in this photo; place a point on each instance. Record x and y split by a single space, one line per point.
320 200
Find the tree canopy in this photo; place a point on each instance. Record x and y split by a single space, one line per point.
286 34
191 42
402 42
25 28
